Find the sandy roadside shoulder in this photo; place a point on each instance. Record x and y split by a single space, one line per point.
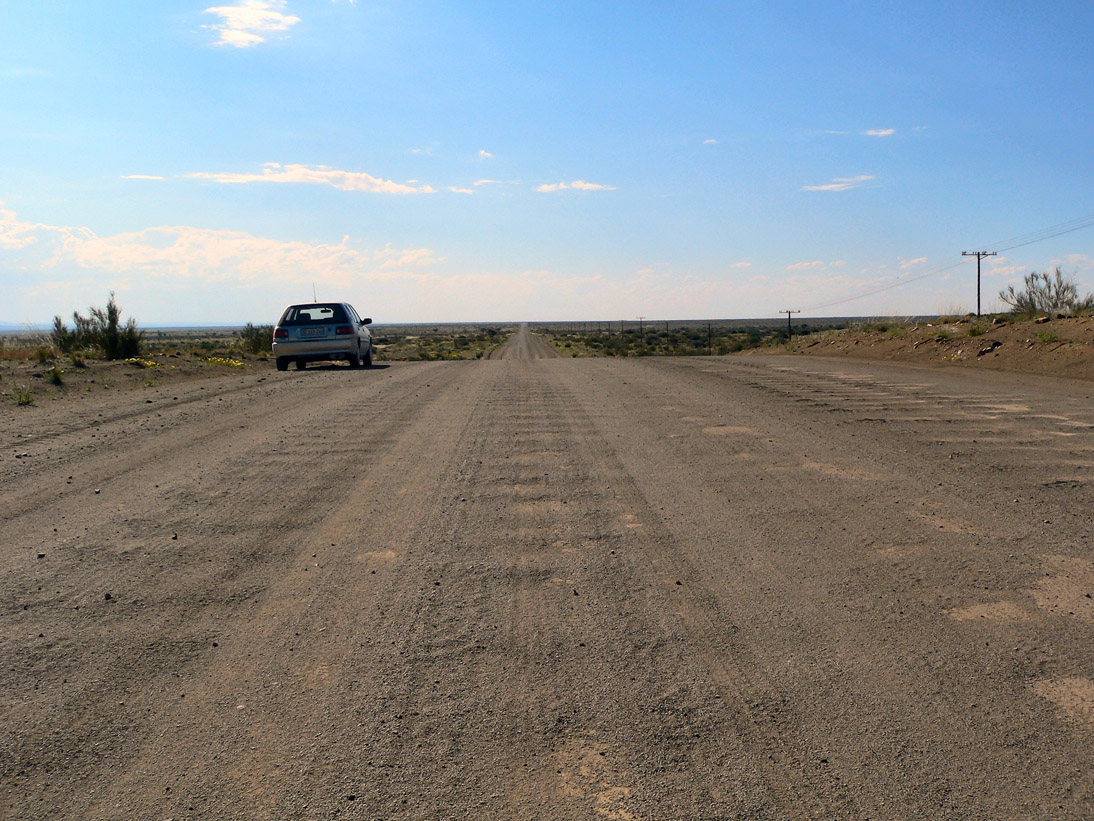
1057 347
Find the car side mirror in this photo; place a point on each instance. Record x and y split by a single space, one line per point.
366 321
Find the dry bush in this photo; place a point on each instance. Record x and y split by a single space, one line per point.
1047 294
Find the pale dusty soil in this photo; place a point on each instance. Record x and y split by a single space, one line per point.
744 587
1056 347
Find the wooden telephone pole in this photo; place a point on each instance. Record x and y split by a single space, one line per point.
789 327
979 256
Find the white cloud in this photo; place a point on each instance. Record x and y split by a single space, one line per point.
456 190
805 266
15 233
316 175
879 132
485 155
406 258
840 183
142 177
576 185
741 265
905 264
710 142
185 253
250 22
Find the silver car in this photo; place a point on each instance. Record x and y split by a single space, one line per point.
319 331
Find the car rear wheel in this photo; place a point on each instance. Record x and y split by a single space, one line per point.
354 360
368 357
301 364
282 363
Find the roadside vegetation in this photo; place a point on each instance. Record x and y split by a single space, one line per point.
419 343
102 330
714 338
1047 295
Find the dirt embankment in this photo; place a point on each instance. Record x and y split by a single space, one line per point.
1054 347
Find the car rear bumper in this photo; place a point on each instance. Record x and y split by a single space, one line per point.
317 349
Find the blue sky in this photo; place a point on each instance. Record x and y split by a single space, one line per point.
480 161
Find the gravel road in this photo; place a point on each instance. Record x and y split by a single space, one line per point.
531 587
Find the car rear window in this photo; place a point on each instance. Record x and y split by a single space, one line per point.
313 314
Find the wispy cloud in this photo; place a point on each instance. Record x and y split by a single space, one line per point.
576 185
406 258
315 175
710 142
905 264
841 183
879 132
814 264
250 22
189 253
142 177
742 264
456 190
22 73
485 155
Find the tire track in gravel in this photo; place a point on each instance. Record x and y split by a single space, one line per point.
856 551
176 576
78 459
704 588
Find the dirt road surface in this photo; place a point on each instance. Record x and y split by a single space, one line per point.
524 345
754 588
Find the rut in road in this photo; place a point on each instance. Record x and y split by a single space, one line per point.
704 588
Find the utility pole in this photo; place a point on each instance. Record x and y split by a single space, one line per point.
979 256
789 328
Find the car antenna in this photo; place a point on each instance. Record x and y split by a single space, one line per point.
313 296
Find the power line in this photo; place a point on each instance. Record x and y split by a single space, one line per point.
979 256
938 269
1047 233
1020 241
789 327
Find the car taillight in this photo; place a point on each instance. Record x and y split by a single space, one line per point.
343 330
281 333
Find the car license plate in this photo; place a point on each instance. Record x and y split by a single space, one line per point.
313 331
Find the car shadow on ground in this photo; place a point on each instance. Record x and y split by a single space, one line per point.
318 367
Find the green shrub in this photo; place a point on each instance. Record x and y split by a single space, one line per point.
102 330
1047 336
22 395
256 338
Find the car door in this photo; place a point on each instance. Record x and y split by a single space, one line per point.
364 336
